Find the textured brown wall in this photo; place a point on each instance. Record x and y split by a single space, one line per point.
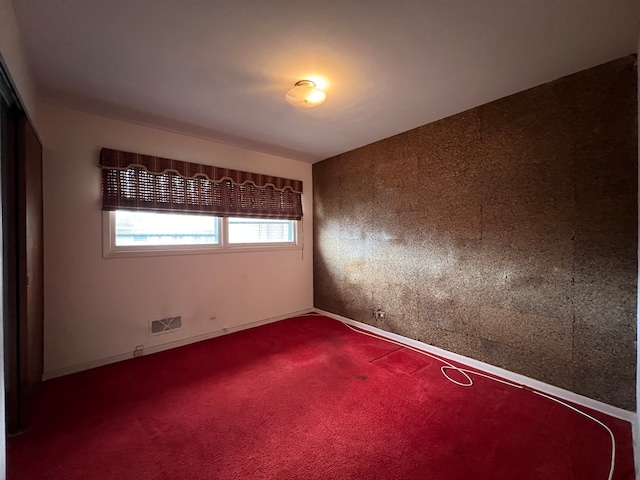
507 233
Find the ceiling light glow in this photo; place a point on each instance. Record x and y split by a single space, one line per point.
305 94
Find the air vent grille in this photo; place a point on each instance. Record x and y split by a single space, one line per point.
164 325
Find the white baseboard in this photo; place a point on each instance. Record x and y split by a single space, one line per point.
165 346
485 367
635 429
493 370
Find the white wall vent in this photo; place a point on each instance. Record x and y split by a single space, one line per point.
165 325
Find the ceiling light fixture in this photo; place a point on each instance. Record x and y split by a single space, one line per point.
305 94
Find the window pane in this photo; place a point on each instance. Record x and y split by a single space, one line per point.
148 229
255 230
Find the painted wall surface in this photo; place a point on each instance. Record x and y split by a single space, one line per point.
506 233
14 58
97 308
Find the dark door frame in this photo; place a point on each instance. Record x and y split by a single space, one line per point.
21 332
10 110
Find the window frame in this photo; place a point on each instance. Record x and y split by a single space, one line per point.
111 250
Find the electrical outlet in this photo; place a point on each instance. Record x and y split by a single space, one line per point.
139 351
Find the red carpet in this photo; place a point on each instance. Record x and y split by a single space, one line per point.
305 398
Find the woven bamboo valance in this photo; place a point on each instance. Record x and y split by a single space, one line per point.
117 160
142 182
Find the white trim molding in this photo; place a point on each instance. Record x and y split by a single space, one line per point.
165 346
543 387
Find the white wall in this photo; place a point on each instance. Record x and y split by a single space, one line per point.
99 308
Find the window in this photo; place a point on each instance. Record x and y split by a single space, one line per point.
155 205
145 229
136 233
256 230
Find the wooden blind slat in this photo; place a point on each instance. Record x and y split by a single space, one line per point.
162 185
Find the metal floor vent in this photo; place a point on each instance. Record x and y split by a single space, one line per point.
164 325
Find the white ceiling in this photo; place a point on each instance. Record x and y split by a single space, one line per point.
219 69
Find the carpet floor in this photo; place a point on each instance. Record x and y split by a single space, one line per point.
306 398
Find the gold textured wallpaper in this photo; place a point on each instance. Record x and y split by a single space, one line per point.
506 233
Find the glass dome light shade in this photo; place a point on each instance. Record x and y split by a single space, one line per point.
305 94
